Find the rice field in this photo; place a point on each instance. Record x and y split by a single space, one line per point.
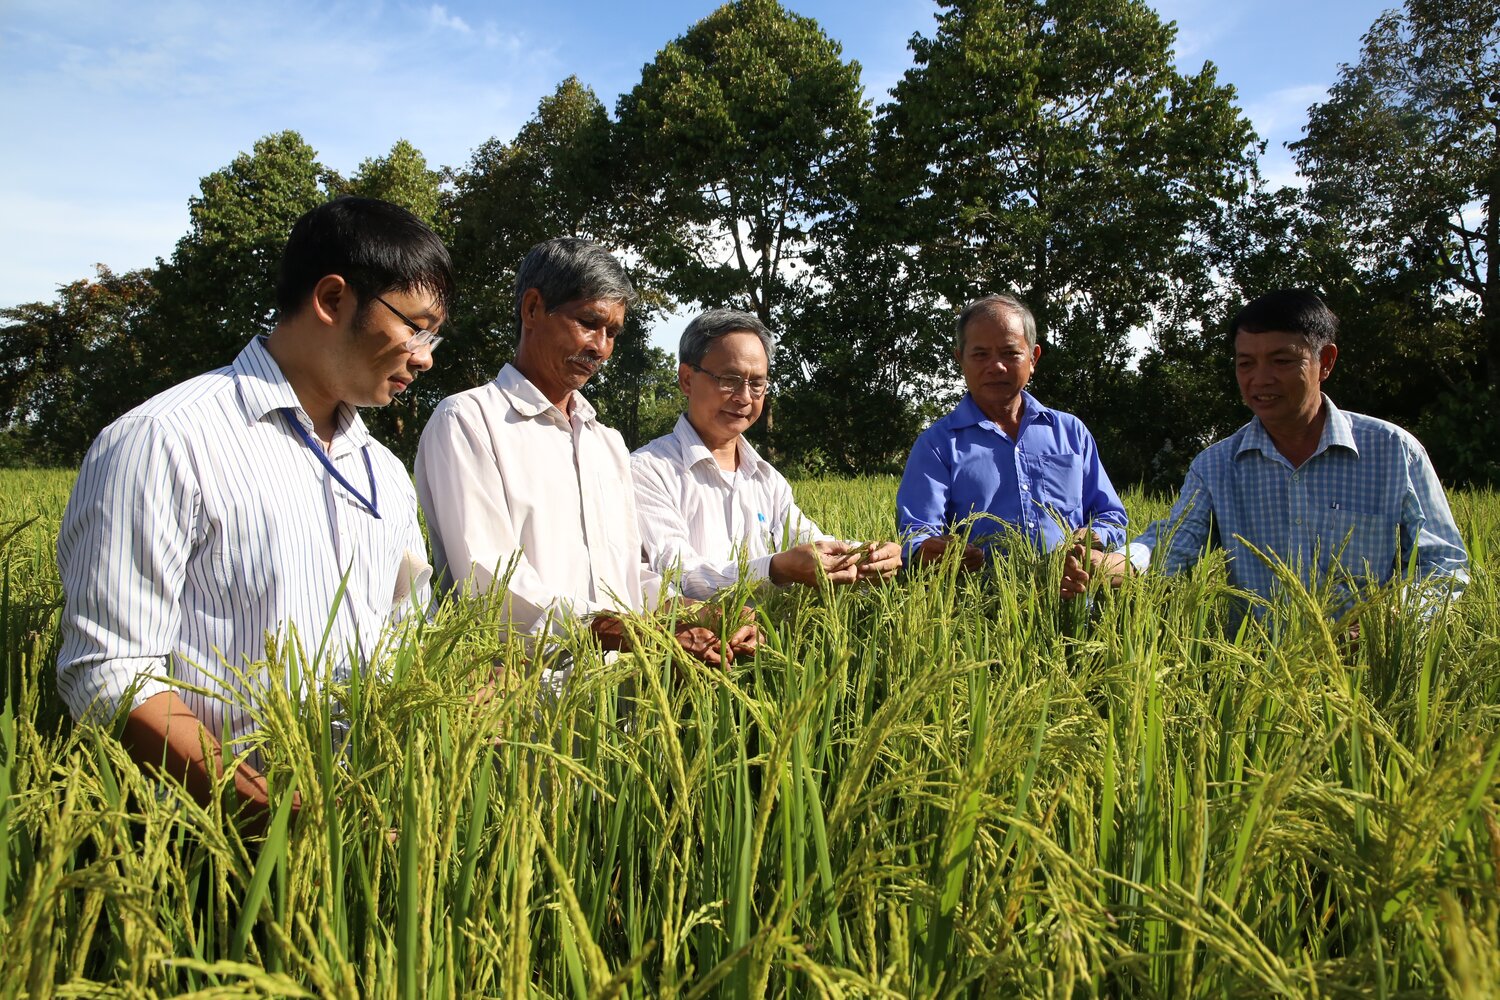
949 786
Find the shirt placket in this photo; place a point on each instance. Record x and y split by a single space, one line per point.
588 512
1299 515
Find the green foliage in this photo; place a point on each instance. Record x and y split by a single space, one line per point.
1403 161
402 178
69 367
553 179
1049 147
742 139
948 786
219 288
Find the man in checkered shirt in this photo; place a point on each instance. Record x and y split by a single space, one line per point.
1336 496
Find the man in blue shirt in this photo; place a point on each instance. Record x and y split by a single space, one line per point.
1018 467
1328 492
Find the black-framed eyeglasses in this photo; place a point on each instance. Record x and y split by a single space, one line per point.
419 338
729 385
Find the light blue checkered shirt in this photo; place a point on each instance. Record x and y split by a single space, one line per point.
1365 501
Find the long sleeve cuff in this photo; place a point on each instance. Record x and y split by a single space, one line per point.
1139 556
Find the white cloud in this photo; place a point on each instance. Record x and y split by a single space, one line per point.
131 105
439 16
1280 115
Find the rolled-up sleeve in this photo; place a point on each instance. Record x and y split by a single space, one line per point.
922 499
1427 525
122 552
1102 508
1176 542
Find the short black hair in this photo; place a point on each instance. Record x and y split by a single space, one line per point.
1288 310
373 245
566 268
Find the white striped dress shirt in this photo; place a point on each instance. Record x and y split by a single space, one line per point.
510 483
708 523
201 524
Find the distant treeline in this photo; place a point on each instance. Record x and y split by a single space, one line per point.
1044 147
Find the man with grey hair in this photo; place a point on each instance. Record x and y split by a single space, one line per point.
710 507
521 483
1004 457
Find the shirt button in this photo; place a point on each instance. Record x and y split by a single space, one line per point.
1299 520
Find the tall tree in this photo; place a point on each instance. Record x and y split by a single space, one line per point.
1403 164
743 139
219 288
70 366
403 178
553 179
1049 147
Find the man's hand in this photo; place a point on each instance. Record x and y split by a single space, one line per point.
1084 563
741 637
164 736
931 550
610 632
877 560
699 642
813 562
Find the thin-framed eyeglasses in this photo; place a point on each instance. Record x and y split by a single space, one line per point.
731 384
419 338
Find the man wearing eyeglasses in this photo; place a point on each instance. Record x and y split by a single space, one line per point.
710 507
252 502
1010 466
523 486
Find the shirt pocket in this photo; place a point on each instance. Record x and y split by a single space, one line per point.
1363 544
1058 481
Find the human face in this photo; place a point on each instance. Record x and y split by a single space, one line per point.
563 346
996 362
375 366
718 416
1281 377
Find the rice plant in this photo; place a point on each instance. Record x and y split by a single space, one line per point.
953 785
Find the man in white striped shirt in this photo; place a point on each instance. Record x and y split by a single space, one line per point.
524 487
234 506
710 507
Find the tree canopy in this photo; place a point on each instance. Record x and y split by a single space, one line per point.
1050 148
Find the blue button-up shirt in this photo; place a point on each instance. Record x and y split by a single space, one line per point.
1366 500
964 465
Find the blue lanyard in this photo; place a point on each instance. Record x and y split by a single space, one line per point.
317 449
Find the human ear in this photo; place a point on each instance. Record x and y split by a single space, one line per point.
331 295
1326 357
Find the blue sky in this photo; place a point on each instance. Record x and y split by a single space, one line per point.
115 110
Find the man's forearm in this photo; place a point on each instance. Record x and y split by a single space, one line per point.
164 735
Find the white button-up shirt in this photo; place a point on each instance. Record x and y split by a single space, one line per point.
711 524
517 491
201 523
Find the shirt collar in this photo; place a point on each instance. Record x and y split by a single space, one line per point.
694 451
1338 432
529 401
263 390
968 413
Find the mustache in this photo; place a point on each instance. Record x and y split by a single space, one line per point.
589 358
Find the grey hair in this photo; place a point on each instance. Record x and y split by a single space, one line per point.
708 325
566 269
990 305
